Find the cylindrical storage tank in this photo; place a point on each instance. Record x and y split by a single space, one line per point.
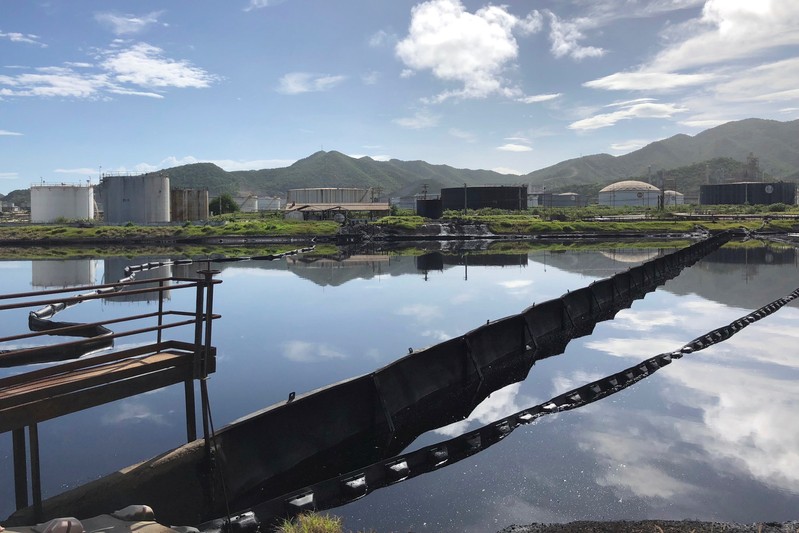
748 193
247 204
429 208
68 202
141 199
673 198
630 193
327 195
270 203
188 204
510 198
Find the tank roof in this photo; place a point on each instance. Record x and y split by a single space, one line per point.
629 185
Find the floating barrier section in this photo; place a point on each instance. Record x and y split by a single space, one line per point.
376 416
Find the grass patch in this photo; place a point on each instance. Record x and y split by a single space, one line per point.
312 523
402 222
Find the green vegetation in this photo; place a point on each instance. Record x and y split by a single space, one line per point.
311 523
222 204
241 228
411 222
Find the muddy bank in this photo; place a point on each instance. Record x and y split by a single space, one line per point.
657 526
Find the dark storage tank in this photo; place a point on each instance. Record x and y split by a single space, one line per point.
748 193
429 208
508 197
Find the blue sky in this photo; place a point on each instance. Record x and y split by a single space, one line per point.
90 86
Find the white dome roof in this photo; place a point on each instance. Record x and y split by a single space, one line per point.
629 185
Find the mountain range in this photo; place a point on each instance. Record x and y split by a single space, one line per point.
714 155
741 150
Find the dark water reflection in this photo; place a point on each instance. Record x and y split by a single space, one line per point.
712 436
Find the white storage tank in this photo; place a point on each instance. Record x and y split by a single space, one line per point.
630 193
329 195
50 203
247 204
140 199
673 198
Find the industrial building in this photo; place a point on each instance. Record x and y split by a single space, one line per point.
748 193
548 199
506 197
142 199
188 204
630 193
323 203
50 203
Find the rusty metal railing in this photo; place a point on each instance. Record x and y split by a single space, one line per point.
87 370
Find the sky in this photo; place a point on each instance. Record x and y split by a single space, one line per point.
90 87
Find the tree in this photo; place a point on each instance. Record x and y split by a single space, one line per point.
224 203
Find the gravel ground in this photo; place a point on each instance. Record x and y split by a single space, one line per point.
657 526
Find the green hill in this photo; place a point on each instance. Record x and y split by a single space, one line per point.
772 142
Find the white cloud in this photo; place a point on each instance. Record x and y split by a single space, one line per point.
423 313
132 412
510 147
259 4
566 35
562 383
643 320
121 71
732 30
9 175
370 78
420 120
642 110
539 98
516 284
500 404
85 171
380 157
704 124
229 165
627 146
27 38
640 81
506 170
306 82
127 24
467 136
472 49
9 133
729 54
144 65
53 81
382 38
310 352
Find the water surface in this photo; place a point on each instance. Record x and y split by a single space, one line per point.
709 437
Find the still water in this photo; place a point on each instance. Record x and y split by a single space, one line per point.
713 436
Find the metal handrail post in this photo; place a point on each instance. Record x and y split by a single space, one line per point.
160 309
20 467
207 285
